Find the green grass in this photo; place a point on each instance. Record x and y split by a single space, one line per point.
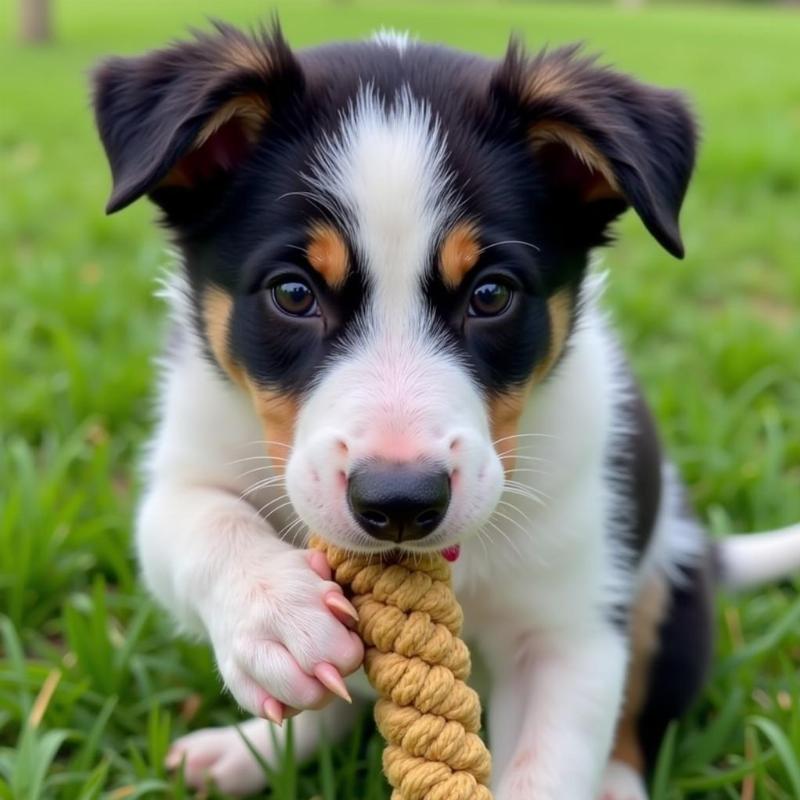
92 683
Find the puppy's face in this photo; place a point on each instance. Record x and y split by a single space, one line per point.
385 243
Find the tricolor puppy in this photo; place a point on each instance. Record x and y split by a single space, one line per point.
386 329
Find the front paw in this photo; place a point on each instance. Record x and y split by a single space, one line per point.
279 634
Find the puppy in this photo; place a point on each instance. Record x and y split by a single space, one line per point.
386 329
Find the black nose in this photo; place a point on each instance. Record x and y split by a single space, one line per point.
398 502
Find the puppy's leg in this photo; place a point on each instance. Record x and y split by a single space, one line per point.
671 643
221 756
277 624
570 692
624 777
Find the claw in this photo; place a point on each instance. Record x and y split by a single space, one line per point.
338 602
330 678
273 711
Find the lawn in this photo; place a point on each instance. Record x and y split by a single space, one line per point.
92 683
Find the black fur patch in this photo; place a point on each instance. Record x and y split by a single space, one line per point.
636 467
681 666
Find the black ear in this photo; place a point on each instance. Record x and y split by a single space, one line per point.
181 119
602 138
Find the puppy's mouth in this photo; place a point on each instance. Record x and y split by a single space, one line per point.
377 506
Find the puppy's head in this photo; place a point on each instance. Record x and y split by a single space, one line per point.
385 242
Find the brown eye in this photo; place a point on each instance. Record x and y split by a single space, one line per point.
295 298
490 299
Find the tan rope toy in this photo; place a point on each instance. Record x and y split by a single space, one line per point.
410 622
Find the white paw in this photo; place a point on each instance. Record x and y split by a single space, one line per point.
622 782
278 635
219 756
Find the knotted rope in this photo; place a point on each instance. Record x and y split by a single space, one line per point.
410 622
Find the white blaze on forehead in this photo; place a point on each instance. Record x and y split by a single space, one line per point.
385 169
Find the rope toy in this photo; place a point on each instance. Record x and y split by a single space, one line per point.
410 622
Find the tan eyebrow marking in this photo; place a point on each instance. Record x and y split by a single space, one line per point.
459 253
327 253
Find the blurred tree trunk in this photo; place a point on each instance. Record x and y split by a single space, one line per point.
35 21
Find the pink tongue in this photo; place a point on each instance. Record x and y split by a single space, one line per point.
452 553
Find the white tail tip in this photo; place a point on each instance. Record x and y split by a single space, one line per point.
752 559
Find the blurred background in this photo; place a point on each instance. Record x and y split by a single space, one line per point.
92 683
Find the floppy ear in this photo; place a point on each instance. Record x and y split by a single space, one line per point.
177 121
602 140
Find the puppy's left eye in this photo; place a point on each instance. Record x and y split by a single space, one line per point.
490 299
295 298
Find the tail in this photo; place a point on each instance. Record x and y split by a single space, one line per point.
749 560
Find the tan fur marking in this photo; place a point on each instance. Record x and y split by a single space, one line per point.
327 254
217 307
250 109
242 54
559 307
551 79
278 415
649 611
506 409
276 411
550 131
504 413
458 254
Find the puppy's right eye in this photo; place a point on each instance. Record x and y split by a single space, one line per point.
490 299
295 298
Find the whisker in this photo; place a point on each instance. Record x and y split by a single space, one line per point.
263 510
483 544
318 200
525 487
515 456
524 436
534 498
255 469
256 458
508 241
512 521
262 484
506 537
278 508
291 528
519 511
269 441
530 469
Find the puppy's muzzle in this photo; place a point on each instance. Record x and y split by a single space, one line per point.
398 502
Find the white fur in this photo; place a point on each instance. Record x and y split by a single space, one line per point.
395 391
752 559
385 168
389 37
221 755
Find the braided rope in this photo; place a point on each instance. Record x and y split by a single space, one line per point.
410 622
